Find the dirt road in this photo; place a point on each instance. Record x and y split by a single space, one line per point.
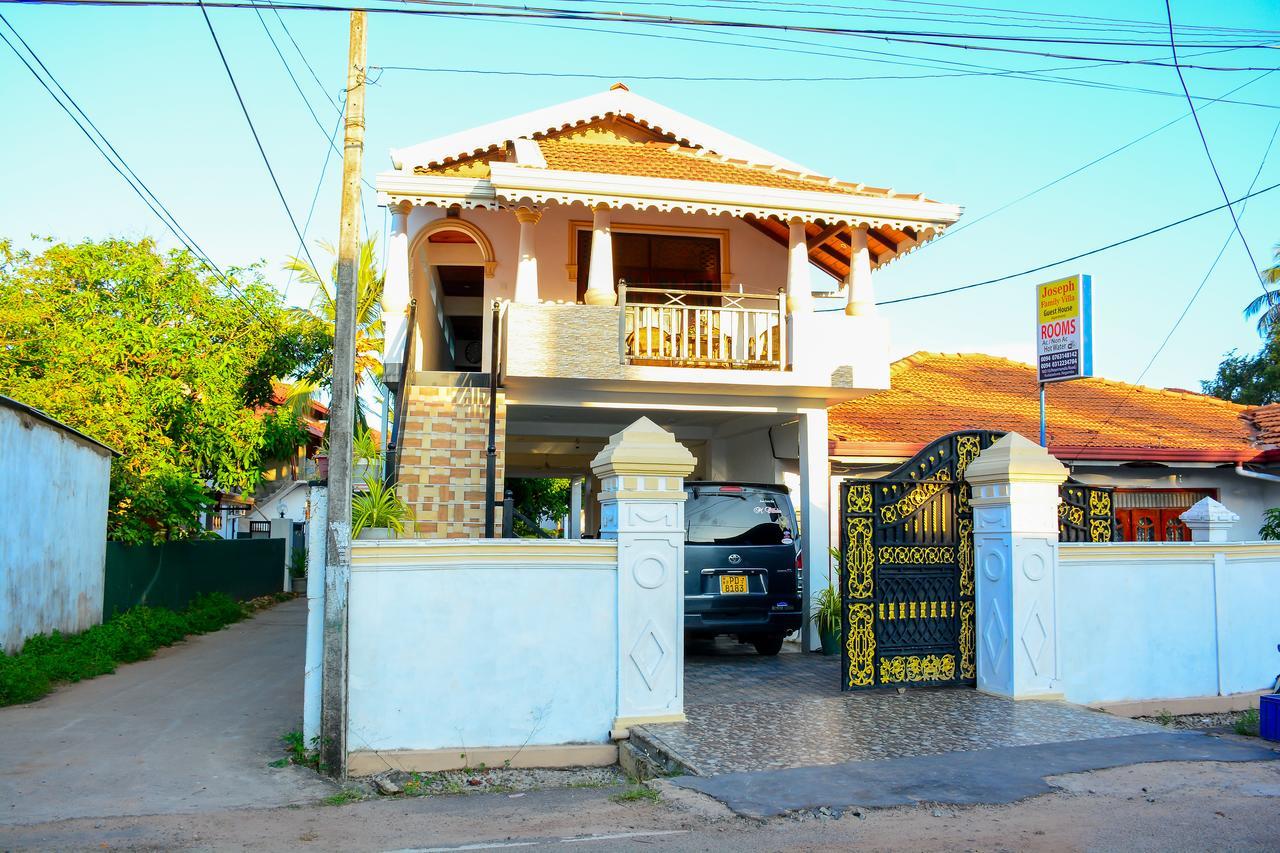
1171 806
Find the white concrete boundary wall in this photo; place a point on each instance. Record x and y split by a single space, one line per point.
1168 620
457 647
54 485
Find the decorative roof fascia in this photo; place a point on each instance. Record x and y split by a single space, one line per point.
396 187
618 102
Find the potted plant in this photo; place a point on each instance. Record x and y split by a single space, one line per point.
827 617
378 512
298 570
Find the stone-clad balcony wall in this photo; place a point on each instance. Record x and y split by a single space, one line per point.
572 341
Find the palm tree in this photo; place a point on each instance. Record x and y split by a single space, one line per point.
321 314
1267 306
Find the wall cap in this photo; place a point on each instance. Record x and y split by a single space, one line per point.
643 449
1209 511
1015 459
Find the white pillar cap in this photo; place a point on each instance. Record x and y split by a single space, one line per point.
1017 460
643 449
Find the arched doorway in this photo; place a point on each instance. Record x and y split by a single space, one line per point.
450 259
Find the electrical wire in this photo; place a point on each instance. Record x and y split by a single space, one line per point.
1235 220
1078 256
962 226
122 167
1186 309
253 130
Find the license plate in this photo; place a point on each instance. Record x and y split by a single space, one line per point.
733 584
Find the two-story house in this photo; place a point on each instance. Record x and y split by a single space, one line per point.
622 259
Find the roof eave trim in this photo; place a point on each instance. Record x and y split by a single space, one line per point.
614 102
1064 452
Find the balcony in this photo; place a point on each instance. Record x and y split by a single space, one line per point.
669 327
696 344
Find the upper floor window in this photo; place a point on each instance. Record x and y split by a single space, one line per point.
675 261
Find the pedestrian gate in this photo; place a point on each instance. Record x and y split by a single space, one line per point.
907 555
906 549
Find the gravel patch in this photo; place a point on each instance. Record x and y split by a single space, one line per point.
1198 722
492 780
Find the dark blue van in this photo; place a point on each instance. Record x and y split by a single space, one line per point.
742 569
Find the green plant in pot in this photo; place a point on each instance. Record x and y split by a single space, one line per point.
827 618
378 512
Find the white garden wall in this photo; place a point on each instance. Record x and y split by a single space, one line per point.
53 526
1167 620
459 645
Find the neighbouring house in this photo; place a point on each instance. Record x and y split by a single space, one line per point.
616 258
282 492
1162 450
54 494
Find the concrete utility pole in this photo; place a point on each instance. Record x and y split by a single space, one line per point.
333 703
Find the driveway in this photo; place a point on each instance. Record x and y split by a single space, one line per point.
192 729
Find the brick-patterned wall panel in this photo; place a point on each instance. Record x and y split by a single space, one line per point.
442 464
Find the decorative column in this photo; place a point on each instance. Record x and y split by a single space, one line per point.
600 283
641 473
815 514
527 267
799 290
858 288
1209 521
1015 513
396 295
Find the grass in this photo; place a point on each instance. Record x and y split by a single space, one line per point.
47 660
296 752
636 792
1248 723
1164 717
346 795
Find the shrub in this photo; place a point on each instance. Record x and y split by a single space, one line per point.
49 659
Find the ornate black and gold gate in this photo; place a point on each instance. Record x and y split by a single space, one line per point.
1087 513
907 570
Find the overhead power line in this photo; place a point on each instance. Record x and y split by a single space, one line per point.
442 9
1195 294
1235 220
120 165
1080 255
258 141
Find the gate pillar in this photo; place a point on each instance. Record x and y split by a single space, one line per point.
1015 503
642 471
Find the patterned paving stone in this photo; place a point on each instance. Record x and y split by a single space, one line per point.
751 713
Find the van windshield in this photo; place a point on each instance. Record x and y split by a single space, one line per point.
748 517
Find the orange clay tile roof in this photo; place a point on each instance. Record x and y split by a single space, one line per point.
1266 420
932 394
666 160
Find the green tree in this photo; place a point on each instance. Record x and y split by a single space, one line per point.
317 321
1253 380
155 357
538 498
1266 306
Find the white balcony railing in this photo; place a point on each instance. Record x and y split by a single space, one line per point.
699 328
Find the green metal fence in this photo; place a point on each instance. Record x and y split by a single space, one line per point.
172 574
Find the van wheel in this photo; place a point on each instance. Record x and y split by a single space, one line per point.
768 646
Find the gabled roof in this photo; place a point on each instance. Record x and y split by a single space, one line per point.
618 101
621 150
932 394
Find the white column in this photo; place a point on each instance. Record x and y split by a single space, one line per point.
1209 521
1015 512
815 538
575 508
527 268
641 473
600 283
861 294
312 669
396 294
799 290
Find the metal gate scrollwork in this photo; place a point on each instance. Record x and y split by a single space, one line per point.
907 558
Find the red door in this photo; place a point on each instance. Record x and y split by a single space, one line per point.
1153 525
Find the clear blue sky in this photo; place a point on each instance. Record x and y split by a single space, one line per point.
152 81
